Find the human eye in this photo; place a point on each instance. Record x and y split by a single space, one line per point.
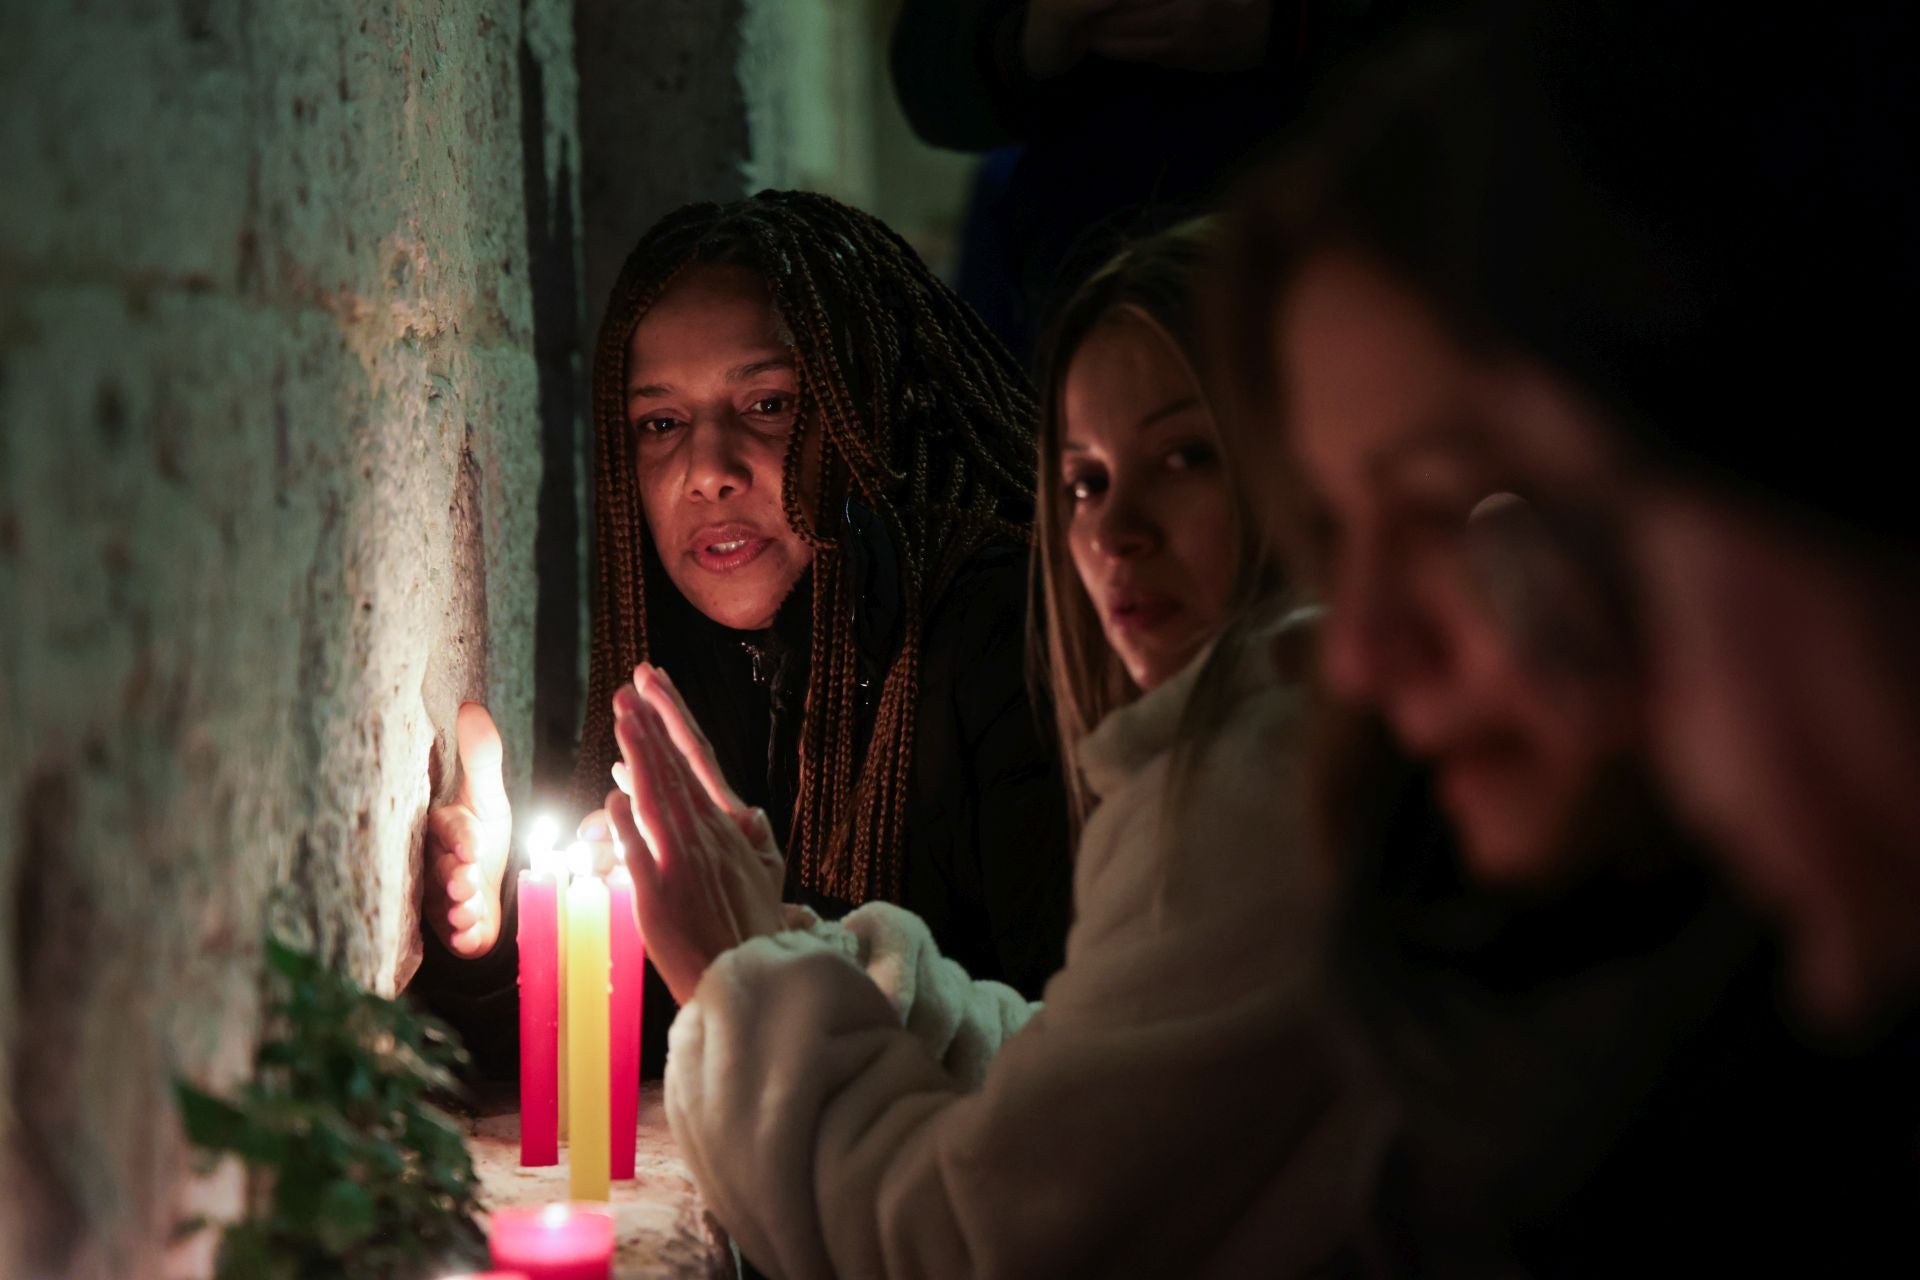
656 424
1083 485
777 404
1192 455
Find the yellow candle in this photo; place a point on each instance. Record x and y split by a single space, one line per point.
588 979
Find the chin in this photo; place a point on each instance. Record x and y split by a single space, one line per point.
1501 847
751 616
1151 670
735 600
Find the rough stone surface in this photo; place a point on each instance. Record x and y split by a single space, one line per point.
662 122
269 449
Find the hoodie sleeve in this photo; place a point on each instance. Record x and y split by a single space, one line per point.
961 1022
1180 1104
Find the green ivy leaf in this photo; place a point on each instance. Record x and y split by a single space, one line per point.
345 1217
295 966
337 1119
210 1121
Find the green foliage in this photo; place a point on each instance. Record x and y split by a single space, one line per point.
357 1172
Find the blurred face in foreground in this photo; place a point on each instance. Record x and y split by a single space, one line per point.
1786 717
1452 610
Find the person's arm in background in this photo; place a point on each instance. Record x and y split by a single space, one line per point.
480 997
469 963
1180 1104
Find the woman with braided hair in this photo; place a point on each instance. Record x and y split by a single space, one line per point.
813 488
851 1102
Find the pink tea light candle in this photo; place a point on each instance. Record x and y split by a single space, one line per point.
558 1242
539 937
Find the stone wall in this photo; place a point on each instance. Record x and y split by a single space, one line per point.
270 431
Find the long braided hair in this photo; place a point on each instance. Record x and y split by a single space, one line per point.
920 415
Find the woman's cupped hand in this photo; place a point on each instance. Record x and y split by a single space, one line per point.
706 869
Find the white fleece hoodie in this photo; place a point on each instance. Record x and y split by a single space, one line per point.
1177 1105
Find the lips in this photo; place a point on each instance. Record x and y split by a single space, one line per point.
1140 611
1475 769
722 548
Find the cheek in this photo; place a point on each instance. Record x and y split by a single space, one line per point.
1210 544
1080 550
651 480
767 463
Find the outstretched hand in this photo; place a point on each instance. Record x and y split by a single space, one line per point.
468 841
706 869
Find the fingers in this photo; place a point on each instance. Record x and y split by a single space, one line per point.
453 829
621 778
654 799
470 942
657 688
481 756
595 827
670 804
460 880
639 854
465 915
757 827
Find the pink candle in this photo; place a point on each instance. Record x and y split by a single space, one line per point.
489 1275
623 1023
539 1018
554 1243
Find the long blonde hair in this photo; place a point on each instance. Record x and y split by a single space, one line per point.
1164 280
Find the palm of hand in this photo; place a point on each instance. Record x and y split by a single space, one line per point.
707 870
468 844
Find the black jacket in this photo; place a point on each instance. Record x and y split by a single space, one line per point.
1600 1080
987 864
1112 151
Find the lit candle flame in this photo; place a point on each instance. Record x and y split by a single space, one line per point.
542 835
580 859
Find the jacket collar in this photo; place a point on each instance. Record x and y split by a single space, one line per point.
1134 736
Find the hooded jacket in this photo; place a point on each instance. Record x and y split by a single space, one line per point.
1177 1104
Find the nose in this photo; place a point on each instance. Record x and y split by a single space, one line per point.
1373 638
1124 529
716 469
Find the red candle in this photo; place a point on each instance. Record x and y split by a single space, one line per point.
539 1018
623 1023
554 1243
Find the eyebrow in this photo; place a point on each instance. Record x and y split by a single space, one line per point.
739 373
1164 412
